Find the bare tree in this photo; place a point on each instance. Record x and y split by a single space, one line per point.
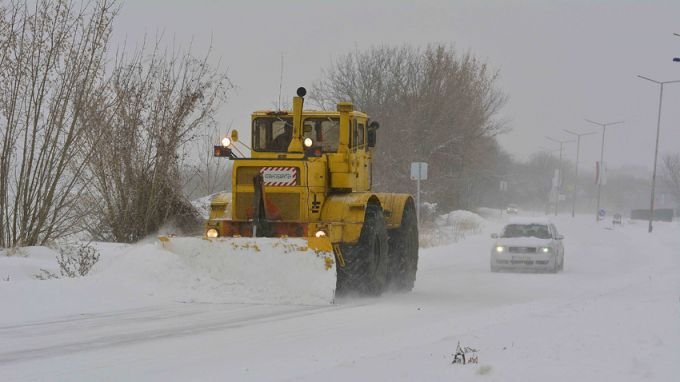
671 171
205 174
51 59
147 110
434 105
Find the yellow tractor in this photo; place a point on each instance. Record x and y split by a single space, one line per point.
302 206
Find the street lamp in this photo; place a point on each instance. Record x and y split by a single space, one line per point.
559 174
601 173
656 149
578 150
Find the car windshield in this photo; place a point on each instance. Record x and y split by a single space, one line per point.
540 231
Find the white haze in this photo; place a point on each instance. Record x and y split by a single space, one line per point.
560 61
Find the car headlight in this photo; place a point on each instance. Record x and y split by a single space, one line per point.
211 233
500 249
226 142
308 142
320 233
544 249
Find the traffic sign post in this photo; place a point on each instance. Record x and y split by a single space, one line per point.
503 188
418 173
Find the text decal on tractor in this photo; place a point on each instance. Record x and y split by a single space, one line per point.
279 176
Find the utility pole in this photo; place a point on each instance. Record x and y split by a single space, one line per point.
656 148
559 174
599 179
578 151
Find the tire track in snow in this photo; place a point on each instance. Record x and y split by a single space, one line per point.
137 326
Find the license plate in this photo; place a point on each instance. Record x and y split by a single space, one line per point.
523 258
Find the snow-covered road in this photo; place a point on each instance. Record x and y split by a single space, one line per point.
613 314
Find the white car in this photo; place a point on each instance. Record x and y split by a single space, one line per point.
529 244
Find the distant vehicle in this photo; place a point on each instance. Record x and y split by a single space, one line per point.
512 209
531 244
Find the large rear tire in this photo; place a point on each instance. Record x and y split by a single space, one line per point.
365 270
403 252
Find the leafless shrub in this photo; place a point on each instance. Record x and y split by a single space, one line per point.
76 259
45 275
152 105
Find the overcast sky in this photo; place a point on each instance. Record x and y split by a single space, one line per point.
560 61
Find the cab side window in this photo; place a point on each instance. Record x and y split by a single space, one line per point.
358 135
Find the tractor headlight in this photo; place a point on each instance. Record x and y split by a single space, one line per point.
308 142
544 249
500 249
226 142
320 233
211 233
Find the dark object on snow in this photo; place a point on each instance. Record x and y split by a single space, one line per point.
661 214
460 357
617 219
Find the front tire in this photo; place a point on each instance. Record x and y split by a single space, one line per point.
365 270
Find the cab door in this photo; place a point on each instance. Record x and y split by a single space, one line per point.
359 156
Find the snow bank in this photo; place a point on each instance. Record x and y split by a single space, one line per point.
202 205
25 263
451 227
135 275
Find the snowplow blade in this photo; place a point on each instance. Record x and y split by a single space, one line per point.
263 270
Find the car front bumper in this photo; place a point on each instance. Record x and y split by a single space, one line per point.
524 262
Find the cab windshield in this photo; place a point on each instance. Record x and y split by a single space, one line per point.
324 132
273 134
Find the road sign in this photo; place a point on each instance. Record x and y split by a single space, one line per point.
418 171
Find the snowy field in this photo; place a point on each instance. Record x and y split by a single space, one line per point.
142 315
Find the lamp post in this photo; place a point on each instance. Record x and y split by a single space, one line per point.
599 179
578 150
656 148
559 174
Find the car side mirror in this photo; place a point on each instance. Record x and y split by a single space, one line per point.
559 237
494 236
